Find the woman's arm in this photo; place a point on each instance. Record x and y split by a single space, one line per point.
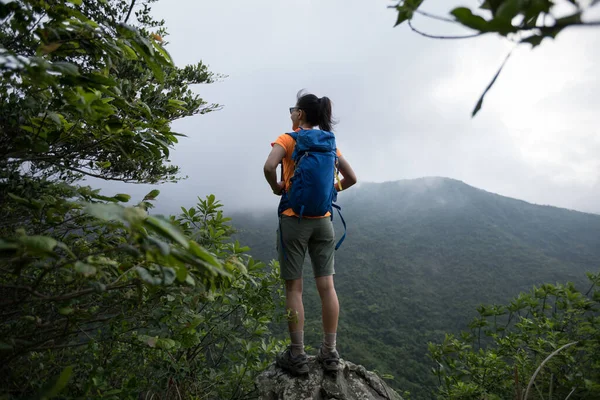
347 172
270 168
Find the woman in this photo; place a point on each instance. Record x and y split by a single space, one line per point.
314 234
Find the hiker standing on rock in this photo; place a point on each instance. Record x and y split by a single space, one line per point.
310 161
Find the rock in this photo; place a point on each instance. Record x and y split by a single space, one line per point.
351 382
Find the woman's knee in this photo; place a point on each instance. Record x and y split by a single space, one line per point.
294 286
325 284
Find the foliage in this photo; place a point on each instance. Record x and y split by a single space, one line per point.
499 356
120 305
85 93
523 21
99 299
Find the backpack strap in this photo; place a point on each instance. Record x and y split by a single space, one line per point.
294 135
338 208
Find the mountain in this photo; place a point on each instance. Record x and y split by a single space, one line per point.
421 255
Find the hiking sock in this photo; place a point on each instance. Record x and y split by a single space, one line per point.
329 342
297 346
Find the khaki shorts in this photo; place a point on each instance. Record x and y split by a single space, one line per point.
316 235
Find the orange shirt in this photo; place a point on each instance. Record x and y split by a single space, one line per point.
288 143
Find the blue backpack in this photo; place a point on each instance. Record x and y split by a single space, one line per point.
312 192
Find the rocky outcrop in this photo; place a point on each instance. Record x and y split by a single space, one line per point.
351 382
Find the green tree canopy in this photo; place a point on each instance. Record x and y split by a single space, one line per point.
85 92
98 299
543 344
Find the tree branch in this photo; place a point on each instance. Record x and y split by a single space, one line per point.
129 12
442 37
106 178
68 296
436 17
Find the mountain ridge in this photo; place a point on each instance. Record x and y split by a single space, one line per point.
431 180
421 255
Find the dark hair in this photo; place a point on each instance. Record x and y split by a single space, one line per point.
317 110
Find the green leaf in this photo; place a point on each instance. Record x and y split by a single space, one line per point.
169 275
135 215
163 52
61 383
107 212
508 10
534 40
49 48
4 245
100 79
480 102
147 277
203 254
65 311
165 344
163 247
404 14
85 269
101 260
6 8
466 17
143 48
56 118
146 109
166 229
76 2
569 20
182 273
493 5
189 279
40 145
25 202
178 104
38 244
152 195
129 52
406 10
65 68
156 69
166 276
122 197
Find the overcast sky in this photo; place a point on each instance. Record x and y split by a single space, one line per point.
403 101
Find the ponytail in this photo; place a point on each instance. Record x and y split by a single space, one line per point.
318 110
325 122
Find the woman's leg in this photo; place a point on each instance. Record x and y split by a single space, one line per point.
321 247
293 235
295 309
330 310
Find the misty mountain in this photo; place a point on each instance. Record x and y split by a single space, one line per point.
421 255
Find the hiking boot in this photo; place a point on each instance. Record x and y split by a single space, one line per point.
297 365
330 361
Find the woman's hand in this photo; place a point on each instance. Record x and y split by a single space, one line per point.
279 189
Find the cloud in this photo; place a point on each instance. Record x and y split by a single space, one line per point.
403 101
